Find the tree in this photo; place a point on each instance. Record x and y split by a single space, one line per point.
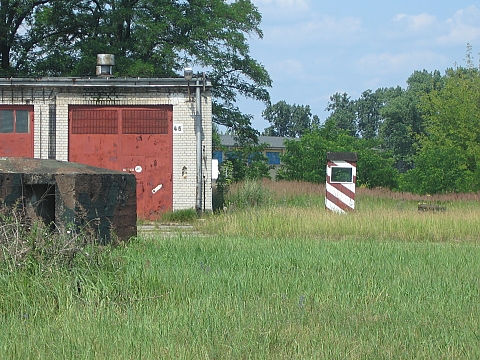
368 115
368 111
289 120
149 38
306 158
403 122
438 169
450 147
13 14
343 113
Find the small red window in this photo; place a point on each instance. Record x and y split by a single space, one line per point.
14 121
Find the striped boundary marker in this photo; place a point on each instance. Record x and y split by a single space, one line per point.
340 196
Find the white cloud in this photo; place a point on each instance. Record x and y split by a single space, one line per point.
463 27
329 30
388 63
416 23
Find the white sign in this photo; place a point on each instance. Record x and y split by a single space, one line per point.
215 171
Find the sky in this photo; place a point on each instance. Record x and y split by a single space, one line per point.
313 49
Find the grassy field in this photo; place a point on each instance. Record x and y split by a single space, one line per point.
285 280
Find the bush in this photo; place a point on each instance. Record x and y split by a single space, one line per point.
26 242
247 194
180 216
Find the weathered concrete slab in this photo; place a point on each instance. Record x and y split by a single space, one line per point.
69 193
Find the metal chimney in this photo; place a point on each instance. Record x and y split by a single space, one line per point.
105 64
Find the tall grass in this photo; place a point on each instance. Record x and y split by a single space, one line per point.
268 283
240 297
317 223
380 214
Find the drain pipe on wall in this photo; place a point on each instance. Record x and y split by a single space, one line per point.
199 136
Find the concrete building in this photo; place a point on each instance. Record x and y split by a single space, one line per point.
275 148
144 126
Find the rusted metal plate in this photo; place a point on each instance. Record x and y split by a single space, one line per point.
16 131
132 139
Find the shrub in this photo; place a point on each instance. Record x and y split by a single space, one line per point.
26 242
248 194
180 216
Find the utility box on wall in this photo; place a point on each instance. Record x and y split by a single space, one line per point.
341 180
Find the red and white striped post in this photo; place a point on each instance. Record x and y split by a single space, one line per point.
341 179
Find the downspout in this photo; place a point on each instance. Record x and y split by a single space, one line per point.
198 133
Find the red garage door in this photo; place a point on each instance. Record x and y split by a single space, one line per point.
134 139
16 131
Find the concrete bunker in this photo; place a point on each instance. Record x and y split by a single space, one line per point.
64 194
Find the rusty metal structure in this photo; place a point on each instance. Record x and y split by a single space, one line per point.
131 139
70 194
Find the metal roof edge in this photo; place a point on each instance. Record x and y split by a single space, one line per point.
101 82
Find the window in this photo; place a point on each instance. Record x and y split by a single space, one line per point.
14 121
145 121
341 174
218 155
273 158
90 121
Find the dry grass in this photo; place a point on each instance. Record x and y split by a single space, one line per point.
299 188
297 211
27 242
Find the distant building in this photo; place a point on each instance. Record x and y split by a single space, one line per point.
274 150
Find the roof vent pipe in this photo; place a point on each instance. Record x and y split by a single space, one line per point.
105 64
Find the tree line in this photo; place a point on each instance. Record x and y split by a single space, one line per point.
424 138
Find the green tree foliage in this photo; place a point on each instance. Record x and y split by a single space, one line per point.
362 117
289 120
438 169
368 117
13 15
449 155
403 122
149 38
343 113
306 158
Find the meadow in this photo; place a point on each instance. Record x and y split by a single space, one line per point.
272 276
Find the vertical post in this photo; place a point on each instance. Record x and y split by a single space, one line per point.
340 182
198 134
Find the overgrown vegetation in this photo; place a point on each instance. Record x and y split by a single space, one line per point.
180 216
281 278
26 242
